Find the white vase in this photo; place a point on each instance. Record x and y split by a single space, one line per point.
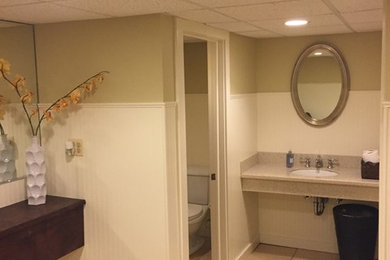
35 173
7 160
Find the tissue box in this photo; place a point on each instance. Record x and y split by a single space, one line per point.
370 170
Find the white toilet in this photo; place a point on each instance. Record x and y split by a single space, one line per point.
198 204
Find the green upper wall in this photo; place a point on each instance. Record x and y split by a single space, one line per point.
242 64
138 52
195 68
276 58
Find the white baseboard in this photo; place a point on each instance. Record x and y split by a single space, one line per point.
297 242
247 251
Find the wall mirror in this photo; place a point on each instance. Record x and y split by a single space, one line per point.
18 48
320 84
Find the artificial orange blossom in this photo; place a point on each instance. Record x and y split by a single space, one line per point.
72 97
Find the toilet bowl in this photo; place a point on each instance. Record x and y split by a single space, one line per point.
198 199
196 216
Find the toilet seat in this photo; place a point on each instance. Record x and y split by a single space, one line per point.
194 211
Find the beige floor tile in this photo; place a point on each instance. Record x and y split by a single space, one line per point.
204 253
206 256
302 254
269 252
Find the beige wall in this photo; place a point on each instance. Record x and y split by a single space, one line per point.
279 129
195 68
197 115
197 129
123 174
276 58
138 52
242 64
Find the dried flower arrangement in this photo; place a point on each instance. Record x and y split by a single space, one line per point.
76 95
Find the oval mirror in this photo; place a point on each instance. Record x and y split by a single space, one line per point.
320 84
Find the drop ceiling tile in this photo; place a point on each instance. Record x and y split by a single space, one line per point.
204 16
128 8
356 5
45 13
260 34
322 24
316 30
364 16
22 2
367 27
277 10
13 2
225 3
314 21
234 26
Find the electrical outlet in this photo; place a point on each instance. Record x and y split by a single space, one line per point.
78 147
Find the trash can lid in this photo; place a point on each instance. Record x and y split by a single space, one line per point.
355 210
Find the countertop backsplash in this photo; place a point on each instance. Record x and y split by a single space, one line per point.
343 161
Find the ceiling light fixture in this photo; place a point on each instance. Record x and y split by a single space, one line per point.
318 53
296 22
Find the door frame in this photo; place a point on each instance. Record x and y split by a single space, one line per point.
219 84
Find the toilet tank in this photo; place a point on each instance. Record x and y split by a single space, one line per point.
198 185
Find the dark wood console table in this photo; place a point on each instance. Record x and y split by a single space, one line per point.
44 232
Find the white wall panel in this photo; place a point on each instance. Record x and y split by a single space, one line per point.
242 206
122 176
281 129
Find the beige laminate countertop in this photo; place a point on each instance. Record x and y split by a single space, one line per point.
272 178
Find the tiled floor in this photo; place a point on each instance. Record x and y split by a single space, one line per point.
204 253
269 252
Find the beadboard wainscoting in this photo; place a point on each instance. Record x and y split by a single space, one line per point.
281 129
122 176
242 206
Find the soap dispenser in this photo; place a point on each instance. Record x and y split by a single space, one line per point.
289 159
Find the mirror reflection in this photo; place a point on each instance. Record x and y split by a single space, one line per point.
320 84
17 47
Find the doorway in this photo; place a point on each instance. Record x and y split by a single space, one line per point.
217 82
197 147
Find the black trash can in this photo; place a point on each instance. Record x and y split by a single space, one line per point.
356 230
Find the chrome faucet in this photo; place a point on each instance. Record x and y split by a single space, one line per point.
319 162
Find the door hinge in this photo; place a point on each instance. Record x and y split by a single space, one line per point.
213 176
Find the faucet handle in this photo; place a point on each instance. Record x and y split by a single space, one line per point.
332 162
305 161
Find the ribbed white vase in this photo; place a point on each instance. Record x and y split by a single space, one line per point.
35 173
7 160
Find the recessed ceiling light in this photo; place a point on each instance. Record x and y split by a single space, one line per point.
318 53
296 22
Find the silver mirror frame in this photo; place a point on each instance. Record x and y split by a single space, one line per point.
345 85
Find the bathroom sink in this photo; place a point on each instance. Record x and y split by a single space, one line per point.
313 173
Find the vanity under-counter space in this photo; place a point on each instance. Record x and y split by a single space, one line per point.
267 173
43 232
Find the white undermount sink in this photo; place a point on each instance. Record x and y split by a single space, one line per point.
313 173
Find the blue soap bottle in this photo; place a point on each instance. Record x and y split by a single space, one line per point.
289 159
